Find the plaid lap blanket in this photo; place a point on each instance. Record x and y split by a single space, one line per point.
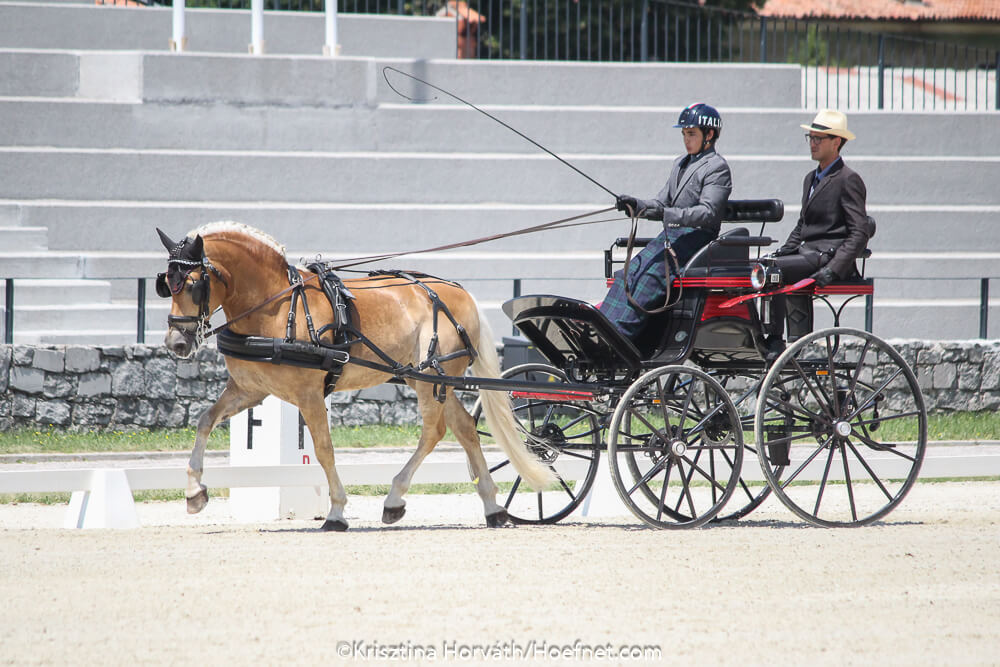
646 277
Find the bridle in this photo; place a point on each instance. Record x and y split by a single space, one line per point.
174 280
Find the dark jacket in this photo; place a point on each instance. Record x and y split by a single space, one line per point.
833 221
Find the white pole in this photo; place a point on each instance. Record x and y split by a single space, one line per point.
179 40
331 48
257 27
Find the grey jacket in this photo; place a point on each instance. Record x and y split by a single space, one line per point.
696 198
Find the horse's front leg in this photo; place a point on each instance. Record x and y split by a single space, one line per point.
314 413
232 401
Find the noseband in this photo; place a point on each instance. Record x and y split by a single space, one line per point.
201 290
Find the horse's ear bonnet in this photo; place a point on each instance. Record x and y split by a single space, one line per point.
186 249
187 252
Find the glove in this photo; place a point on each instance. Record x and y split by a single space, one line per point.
654 212
781 252
824 276
626 204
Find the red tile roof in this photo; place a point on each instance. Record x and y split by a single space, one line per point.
895 10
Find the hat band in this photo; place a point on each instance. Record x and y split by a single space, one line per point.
821 127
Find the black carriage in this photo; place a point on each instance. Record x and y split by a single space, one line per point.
837 421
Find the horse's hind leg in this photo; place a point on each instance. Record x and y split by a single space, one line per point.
233 400
431 432
464 427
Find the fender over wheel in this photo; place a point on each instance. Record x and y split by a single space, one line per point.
675 447
857 427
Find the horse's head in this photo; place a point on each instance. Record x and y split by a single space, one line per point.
188 281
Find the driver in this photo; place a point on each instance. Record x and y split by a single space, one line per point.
690 207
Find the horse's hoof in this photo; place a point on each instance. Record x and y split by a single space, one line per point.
393 514
339 525
498 519
197 502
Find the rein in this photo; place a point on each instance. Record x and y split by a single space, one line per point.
271 299
554 224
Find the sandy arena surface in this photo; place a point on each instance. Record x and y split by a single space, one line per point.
922 588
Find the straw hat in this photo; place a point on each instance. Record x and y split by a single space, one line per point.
830 121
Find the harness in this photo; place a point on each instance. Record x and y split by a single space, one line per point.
331 357
173 280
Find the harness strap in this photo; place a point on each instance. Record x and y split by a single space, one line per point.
434 359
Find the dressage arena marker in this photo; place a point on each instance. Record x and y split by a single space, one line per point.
274 433
102 498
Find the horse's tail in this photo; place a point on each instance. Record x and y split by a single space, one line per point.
500 415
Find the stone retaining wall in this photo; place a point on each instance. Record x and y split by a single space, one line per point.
144 386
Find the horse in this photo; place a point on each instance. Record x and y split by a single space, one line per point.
244 271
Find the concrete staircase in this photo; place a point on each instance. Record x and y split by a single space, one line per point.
104 137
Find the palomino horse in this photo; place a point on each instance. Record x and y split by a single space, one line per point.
238 268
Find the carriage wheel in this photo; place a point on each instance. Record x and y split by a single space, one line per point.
675 447
751 490
566 435
858 427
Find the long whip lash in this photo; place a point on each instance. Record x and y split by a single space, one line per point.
488 115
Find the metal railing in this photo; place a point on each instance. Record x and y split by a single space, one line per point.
516 291
841 67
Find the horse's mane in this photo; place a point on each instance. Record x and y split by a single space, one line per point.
229 229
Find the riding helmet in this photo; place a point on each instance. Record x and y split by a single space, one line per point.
701 116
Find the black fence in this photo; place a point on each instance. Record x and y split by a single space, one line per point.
841 67
516 283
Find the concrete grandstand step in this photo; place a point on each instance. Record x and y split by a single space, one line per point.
41 264
10 215
81 317
129 225
353 228
24 238
87 337
447 177
36 25
432 127
325 82
47 292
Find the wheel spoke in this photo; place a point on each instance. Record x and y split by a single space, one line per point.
686 493
541 513
695 467
822 483
663 493
871 473
880 419
813 385
503 463
891 449
568 490
576 455
791 410
808 460
649 475
513 490
857 369
850 485
871 399
655 431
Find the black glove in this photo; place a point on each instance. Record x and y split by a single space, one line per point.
626 204
653 212
824 276
781 252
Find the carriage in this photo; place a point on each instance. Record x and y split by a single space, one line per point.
836 422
